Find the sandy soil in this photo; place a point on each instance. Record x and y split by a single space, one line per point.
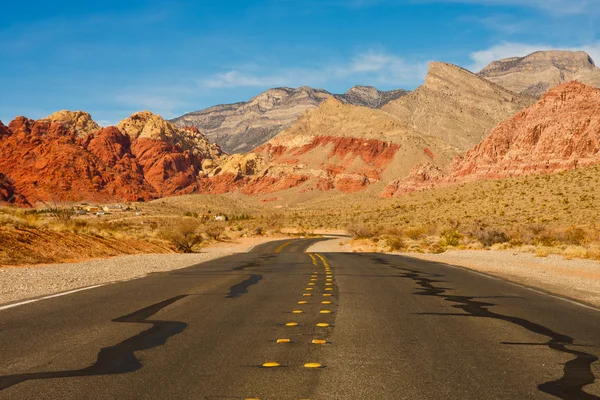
23 282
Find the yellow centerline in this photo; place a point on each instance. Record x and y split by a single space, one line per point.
277 250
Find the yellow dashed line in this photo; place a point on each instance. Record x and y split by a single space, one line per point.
312 365
303 302
283 340
291 324
319 341
270 364
322 324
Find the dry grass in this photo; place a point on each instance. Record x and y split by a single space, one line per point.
555 214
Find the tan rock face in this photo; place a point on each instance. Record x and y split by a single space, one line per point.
456 106
241 127
536 73
560 132
80 121
344 148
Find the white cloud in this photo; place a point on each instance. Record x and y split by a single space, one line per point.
503 50
370 67
556 7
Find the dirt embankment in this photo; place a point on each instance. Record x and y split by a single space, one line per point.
35 246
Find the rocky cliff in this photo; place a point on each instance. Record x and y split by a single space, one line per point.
54 159
456 106
560 132
536 73
240 127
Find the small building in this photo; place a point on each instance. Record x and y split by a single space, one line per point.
220 218
113 209
92 209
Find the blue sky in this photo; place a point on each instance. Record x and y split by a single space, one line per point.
113 57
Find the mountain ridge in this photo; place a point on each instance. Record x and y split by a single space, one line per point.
538 72
242 126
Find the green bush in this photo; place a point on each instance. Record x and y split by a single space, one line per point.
450 237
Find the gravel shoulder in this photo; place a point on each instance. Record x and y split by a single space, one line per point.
575 279
24 282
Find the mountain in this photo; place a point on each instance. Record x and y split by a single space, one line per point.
560 132
145 157
536 73
369 96
343 148
240 127
456 106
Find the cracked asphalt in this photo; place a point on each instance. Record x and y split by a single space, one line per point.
279 323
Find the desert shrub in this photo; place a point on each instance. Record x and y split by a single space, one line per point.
415 233
395 243
190 214
259 230
546 240
62 215
214 230
392 231
273 221
436 248
574 236
360 231
184 235
593 252
491 236
450 237
575 252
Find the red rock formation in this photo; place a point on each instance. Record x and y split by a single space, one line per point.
8 195
3 130
560 132
51 161
46 161
421 177
347 164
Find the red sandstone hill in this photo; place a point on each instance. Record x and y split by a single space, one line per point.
67 157
560 132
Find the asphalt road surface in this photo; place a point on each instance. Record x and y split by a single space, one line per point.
385 327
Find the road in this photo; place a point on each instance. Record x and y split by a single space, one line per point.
392 328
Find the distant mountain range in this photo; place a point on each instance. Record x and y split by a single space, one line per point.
240 127
456 127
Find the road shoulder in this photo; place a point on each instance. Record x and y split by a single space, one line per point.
25 282
578 280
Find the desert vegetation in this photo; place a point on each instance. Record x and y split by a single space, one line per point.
542 214
62 232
